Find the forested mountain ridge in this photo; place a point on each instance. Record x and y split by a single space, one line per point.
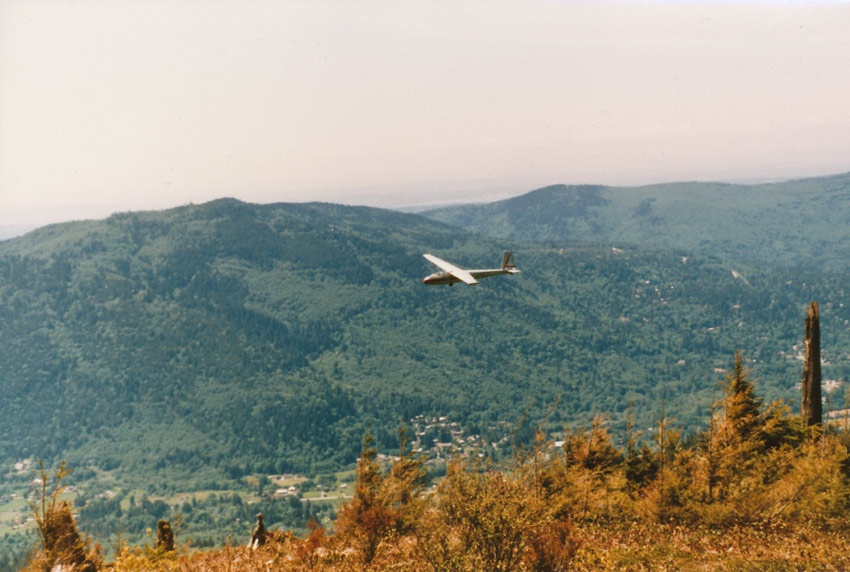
205 347
138 318
242 338
794 223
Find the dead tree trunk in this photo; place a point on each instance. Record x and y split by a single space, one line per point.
164 536
811 407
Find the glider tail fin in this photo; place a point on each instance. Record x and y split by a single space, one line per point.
507 260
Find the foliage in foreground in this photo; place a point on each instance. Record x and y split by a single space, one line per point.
756 491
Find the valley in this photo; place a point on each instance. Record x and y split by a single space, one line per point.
179 358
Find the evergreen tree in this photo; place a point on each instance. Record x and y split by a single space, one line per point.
740 402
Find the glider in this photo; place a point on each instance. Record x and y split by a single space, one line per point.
451 273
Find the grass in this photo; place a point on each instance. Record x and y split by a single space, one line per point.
12 512
745 548
621 547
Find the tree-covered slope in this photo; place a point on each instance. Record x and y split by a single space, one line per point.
794 223
232 338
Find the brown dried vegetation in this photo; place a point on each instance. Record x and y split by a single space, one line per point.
757 491
62 547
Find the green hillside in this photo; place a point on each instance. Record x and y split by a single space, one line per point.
794 223
185 350
273 335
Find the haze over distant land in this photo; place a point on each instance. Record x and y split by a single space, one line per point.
124 105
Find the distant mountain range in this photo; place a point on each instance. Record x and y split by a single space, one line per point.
12 230
216 340
794 223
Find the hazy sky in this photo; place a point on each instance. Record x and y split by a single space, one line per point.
124 105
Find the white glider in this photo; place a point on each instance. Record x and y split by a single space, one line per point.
451 273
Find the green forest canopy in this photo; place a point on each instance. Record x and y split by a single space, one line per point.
270 337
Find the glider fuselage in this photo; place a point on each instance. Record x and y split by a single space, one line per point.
448 278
